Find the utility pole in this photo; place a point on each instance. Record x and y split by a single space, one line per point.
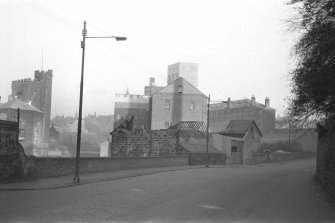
289 133
76 176
84 34
207 139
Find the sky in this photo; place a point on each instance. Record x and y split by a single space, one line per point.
242 48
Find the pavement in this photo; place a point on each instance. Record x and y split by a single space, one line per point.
277 193
50 183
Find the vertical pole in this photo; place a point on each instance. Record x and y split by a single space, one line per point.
289 133
18 124
150 117
76 177
18 131
207 139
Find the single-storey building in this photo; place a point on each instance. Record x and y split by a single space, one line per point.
239 140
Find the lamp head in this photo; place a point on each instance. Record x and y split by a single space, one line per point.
120 38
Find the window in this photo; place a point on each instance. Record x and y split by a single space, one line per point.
252 133
117 117
167 104
192 105
234 149
166 124
180 89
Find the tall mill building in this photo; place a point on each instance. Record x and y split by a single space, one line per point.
188 71
37 92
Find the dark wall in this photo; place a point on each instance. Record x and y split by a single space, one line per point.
49 167
325 170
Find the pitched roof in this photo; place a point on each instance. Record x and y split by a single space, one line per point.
187 87
190 126
238 128
15 104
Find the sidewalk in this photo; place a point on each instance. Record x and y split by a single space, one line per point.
67 181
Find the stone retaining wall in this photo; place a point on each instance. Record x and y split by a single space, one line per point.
211 158
144 143
50 167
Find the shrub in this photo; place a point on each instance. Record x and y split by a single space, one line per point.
281 145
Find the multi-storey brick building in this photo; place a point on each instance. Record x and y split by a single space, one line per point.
151 88
38 92
189 71
221 114
30 125
178 101
127 105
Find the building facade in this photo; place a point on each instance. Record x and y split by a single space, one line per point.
179 101
239 141
127 105
30 125
151 88
38 92
221 114
188 71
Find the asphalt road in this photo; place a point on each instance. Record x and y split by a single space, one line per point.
281 192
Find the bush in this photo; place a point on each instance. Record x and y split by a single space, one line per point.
282 145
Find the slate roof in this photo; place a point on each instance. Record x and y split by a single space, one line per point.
15 104
188 87
238 128
190 126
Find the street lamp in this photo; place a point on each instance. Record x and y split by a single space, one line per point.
84 34
207 139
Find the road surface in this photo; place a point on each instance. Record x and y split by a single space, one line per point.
280 192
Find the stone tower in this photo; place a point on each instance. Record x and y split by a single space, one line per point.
38 92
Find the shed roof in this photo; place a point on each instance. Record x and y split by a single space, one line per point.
15 104
238 128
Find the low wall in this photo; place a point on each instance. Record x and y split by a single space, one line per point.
258 158
144 143
213 158
50 167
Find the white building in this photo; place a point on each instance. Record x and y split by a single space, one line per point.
188 71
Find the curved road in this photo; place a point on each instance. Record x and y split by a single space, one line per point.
280 192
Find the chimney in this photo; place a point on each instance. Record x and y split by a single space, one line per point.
229 103
267 102
253 100
152 81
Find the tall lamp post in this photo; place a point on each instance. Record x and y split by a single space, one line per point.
84 34
207 139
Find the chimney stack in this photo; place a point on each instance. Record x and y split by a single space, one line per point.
267 102
253 100
229 103
152 81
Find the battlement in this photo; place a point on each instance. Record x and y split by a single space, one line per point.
20 81
40 74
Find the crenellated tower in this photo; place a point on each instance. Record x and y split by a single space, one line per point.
38 92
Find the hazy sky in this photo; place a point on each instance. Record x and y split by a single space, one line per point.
242 47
